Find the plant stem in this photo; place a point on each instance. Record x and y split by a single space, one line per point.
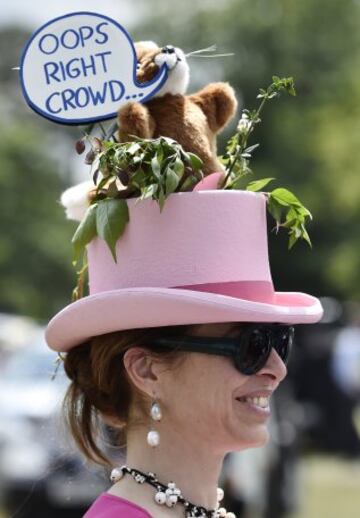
245 138
232 165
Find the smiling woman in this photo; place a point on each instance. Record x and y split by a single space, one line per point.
179 361
112 377
182 339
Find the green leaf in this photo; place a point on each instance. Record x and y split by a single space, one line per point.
292 217
155 166
111 219
257 185
189 183
172 181
160 154
147 192
85 232
195 161
112 189
275 208
161 198
306 236
236 184
285 197
134 148
169 141
137 178
304 211
178 167
292 241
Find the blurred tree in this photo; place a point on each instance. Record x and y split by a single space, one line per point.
309 144
36 275
35 256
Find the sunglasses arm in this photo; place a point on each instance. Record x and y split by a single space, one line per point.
210 345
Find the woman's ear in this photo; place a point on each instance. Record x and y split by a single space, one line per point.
139 366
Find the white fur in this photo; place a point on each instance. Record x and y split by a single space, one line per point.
76 200
178 75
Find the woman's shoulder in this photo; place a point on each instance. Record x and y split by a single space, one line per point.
112 506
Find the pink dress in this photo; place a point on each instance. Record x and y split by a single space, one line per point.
111 506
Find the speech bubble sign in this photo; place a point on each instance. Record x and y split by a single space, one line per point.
80 68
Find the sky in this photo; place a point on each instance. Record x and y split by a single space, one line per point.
37 12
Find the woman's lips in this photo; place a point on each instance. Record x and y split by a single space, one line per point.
257 402
259 406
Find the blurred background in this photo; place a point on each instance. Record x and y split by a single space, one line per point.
310 144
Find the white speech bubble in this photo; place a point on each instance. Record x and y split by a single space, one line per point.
80 68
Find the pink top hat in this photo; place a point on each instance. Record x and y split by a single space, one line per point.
203 259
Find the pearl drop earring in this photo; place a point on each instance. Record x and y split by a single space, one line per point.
153 437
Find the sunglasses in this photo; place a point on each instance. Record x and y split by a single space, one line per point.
250 350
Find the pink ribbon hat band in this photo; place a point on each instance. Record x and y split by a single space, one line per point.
203 259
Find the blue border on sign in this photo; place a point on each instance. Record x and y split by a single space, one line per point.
93 119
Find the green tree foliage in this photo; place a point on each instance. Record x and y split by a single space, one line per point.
35 252
311 144
36 275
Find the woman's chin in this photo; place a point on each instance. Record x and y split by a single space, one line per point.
256 439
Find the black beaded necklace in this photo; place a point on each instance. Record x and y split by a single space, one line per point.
170 495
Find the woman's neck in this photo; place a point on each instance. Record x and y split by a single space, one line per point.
193 466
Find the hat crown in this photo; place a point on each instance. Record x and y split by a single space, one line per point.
204 259
199 238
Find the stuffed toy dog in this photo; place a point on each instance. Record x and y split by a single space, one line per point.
192 120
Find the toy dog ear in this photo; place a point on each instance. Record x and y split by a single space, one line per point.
143 48
218 102
150 45
135 119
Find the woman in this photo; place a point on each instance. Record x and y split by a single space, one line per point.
179 346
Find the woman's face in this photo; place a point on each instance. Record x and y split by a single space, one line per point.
208 398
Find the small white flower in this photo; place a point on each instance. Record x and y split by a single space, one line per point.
244 124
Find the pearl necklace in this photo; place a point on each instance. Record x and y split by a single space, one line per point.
170 495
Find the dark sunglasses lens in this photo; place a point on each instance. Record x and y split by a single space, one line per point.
282 342
254 352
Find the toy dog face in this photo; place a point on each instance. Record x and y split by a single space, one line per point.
151 58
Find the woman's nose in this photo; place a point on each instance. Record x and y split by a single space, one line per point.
274 368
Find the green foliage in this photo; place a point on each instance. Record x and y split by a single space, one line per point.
258 185
281 202
144 168
111 219
35 272
106 218
85 232
238 153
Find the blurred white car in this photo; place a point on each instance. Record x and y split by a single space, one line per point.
39 467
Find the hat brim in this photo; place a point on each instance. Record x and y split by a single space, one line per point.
157 307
